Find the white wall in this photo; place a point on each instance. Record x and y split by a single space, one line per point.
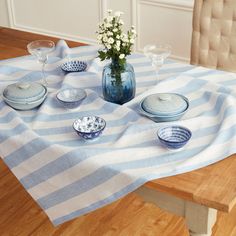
157 21
4 18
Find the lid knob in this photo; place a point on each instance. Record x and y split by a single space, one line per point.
23 85
165 97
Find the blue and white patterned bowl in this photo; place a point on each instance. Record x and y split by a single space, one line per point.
174 137
71 97
74 66
89 127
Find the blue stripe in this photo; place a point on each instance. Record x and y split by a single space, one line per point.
105 173
128 123
25 152
7 70
37 174
5 134
131 187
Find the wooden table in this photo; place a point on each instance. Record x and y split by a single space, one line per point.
196 195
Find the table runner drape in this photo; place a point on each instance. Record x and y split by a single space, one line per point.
68 176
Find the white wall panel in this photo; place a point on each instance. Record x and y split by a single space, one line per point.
124 6
157 21
74 19
4 17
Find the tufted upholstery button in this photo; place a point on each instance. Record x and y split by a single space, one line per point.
214 34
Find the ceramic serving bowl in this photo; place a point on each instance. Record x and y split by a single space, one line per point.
24 95
163 107
174 137
89 127
71 97
74 66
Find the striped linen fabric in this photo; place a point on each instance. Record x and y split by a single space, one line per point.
68 176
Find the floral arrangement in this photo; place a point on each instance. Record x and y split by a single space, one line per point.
117 44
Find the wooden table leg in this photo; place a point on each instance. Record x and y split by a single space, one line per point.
200 219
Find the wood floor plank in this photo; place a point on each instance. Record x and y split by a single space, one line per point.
212 186
130 216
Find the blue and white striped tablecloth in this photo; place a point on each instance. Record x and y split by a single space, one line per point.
69 177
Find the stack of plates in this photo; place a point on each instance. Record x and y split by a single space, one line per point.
161 107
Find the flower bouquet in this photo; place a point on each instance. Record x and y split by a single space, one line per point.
118 76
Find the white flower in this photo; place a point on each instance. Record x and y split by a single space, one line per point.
107 25
117 48
132 41
109 11
133 31
119 13
99 37
123 36
105 38
121 22
110 40
109 18
111 35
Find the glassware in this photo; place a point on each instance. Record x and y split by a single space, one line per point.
157 54
40 49
118 82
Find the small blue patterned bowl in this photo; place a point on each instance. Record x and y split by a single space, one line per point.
74 66
89 127
71 97
174 137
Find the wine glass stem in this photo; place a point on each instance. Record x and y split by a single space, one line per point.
43 74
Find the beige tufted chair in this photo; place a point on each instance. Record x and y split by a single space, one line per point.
214 34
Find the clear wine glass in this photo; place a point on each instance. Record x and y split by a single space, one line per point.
40 49
157 53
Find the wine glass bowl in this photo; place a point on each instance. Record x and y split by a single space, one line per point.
157 53
40 49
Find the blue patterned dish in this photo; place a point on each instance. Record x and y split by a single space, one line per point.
74 66
71 97
174 137
89 127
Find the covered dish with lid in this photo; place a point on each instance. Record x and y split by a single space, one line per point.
164 106
24 95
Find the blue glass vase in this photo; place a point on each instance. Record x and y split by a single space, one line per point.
118 82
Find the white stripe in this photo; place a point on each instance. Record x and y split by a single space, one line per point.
120 180
15 142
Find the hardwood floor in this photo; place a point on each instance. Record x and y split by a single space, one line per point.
13 42
130 216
